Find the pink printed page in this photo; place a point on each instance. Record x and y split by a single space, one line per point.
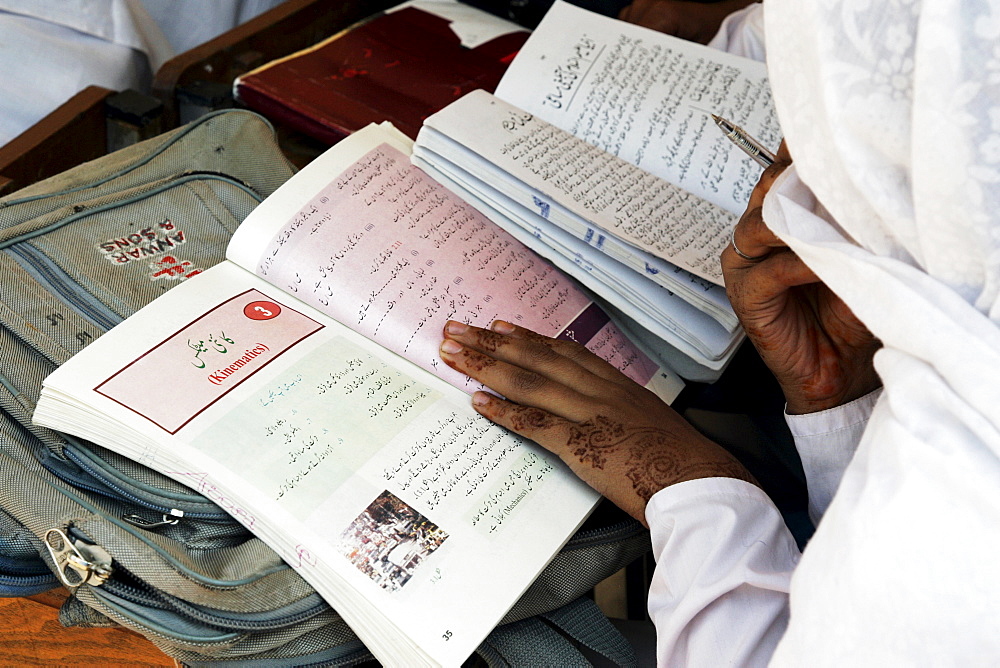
209 357
389 252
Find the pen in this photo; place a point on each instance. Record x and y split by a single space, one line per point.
750 146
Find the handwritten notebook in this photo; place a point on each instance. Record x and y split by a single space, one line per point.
599 152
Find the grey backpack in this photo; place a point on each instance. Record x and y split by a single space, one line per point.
78 253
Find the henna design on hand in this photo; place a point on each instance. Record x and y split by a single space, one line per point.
477 362
651 457
491 341
532 419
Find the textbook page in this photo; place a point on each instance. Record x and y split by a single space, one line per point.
664 314
379 246
646 97
436 153
577 186
373 478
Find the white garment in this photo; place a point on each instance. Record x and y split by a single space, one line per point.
891 112
826 442
49 51
706 578
742 33
121 22
719 594
52 49
188 23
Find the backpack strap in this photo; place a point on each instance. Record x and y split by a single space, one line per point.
529 642
555 638
584 622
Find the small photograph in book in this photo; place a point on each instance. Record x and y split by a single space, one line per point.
389 540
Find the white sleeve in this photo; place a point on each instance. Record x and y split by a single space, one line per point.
742 33
826 441
724 559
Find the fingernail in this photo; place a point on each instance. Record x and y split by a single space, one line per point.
502 327
480 398
450 347
454 327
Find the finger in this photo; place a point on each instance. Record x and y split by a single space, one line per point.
565 361
768 177
751 235
758 285
521 385
547 429
562 438
754 240
782 154
571 350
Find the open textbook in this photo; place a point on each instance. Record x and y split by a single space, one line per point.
599 152
314 405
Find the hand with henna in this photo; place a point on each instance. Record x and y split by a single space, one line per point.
617 436
820 353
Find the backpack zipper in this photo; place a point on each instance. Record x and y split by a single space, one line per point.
56 281
25 576
179 504
168 519
26 585
77 562
141 593
52 277
164 554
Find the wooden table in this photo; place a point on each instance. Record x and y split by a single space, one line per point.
31 635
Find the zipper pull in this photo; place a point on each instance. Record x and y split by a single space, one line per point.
170 518
77 562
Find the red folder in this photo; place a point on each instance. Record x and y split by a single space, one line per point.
400 66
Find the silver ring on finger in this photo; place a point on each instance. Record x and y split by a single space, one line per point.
748 258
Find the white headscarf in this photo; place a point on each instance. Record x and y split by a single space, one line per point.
891 111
